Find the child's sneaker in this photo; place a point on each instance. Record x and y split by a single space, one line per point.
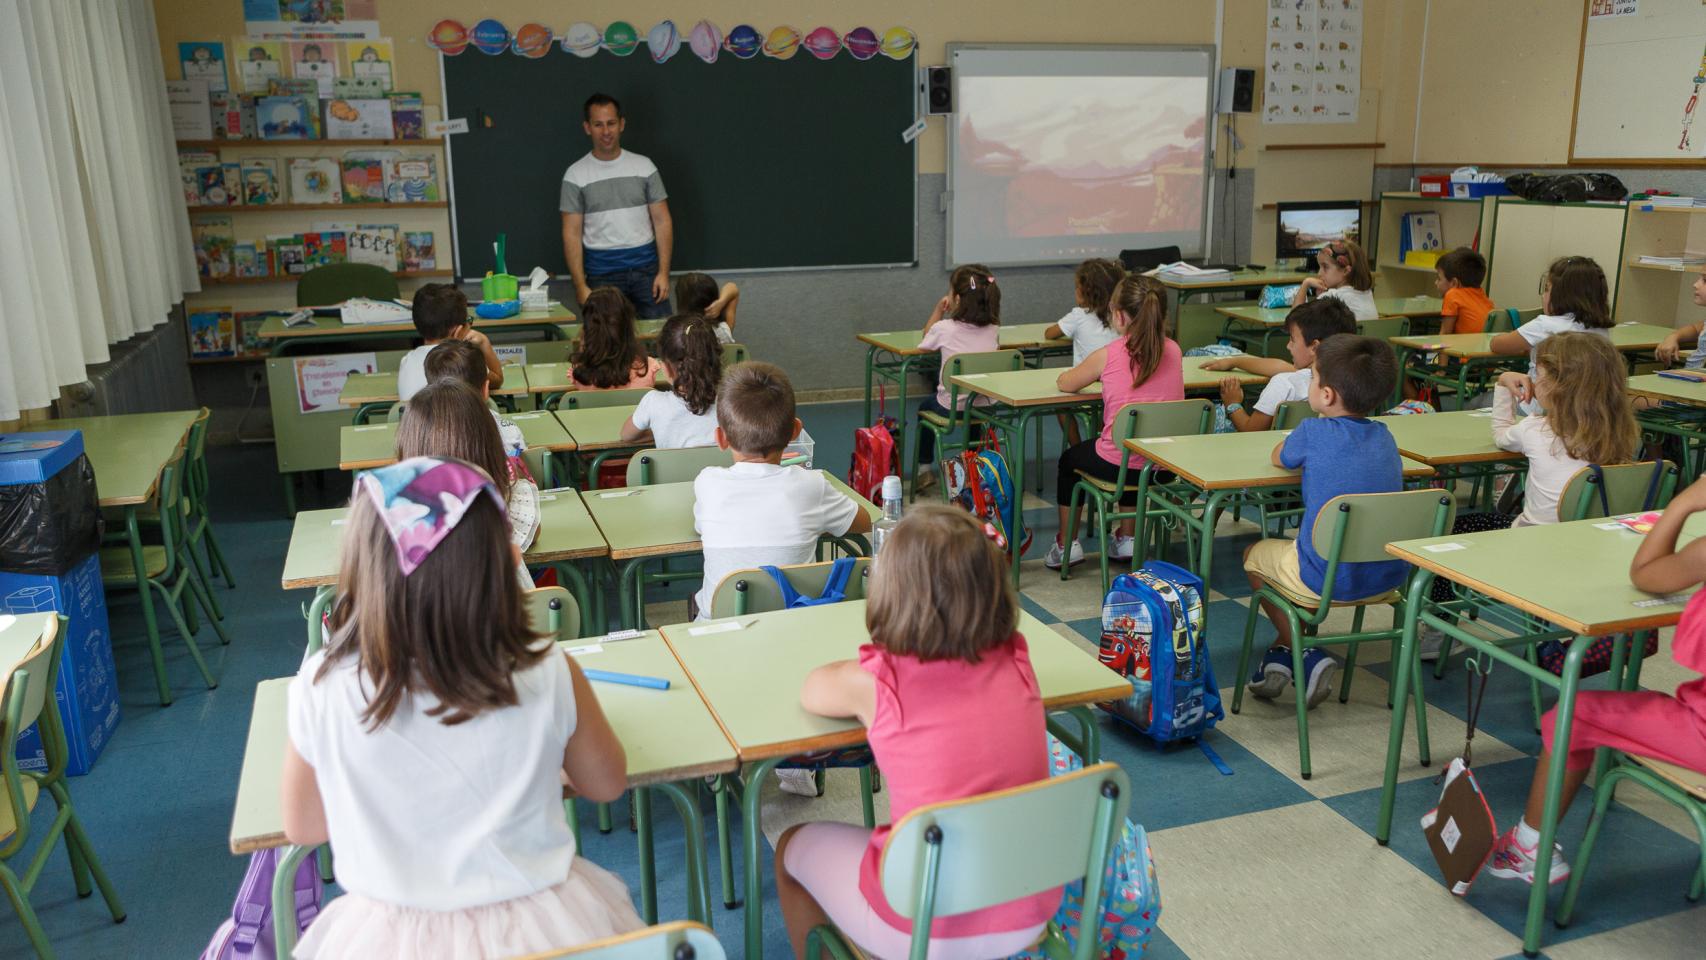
1124 547
1057 554
800 783
1512 861
1319 669
1272 674
1431 642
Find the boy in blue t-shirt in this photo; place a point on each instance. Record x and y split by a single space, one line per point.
1340 452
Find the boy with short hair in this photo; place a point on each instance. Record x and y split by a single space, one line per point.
1307 326
1457 277
440 312
1340 452
463 362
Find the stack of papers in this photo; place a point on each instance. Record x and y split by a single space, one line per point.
1187 273
1664 201
360 310
1683 258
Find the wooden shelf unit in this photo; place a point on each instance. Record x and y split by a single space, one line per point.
1461 219
1651 293
1528 236
296 207
292 278
222 144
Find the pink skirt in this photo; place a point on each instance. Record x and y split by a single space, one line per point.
591 904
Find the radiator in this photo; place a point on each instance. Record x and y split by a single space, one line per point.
146 373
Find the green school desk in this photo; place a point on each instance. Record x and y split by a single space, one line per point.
1680 412
750 677
598 431
1457 444
375 444
655 522
1574 576
315 336
1255 326
128 451
1220 467
1207 382
1180 291
1469 359
370 393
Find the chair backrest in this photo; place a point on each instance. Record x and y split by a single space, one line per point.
585 399
1163 418
1385 328
1629 488
1291 413
1501 320
993 361
675 466
734 353
753 591
26 695
337 282
1148 258
681 940
949 858
197 476
1360 525
1520 317
553 610
395 413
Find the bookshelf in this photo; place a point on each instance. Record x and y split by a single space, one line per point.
1652 293
291 278
1463 220
1529 236
298 207
304 144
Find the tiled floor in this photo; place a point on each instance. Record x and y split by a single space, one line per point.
1260 863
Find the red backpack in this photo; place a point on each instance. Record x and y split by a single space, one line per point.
875 456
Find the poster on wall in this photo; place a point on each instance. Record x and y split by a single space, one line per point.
315 60
319 380
204 61
324 19
1313 62
372 60
259 62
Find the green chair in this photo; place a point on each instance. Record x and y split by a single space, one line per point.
1291 413
337 282
1627 488
680 940
1503 320
1169 418
1385 328
166 570
674 466
964 855
1356 528
394 413
1282 505
1680 786
28 696
198 518
734 353
942 425
553 611
587 399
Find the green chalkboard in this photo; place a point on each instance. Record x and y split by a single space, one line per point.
768 163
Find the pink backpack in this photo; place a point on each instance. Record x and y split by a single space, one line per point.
248 933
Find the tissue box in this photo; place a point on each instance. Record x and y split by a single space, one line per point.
535 301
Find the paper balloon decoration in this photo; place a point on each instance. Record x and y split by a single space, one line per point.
823 43
782 43
621 38
898 43
862 43
448 37
705 41
531 41
489 36
582 39
663 41
743 41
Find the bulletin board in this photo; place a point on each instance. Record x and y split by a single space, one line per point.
1642 70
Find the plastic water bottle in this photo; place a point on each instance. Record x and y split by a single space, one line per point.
892 496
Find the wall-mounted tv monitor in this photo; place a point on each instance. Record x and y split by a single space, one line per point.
1305 227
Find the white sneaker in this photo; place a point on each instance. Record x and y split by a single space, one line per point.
1056 554
800 783
1431 643
1124 548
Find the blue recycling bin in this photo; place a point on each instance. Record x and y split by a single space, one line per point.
50 537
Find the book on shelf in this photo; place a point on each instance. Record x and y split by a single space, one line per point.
191 163
358 88
375 244
324 249
364 176
1420 230
418 253
233 115
287 118
412 179
248 261
287 255
214 237
211 333
191 108
354 119
261 183
1669 201
249 342
315 180
1684 258
408 115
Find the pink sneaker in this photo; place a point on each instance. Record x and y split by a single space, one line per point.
1512 861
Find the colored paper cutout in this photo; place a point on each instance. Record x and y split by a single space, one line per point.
705 41
743 41
531 41
782 43
663 41
582 39
448 37
489 37
898 43
621 38
862 43
822 43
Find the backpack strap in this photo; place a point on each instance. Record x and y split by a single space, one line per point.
252 913
834 588
1652 498
1599 484
790 596
309 892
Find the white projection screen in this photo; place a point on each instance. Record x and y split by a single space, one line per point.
1061 153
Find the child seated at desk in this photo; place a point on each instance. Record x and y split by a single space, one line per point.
1464 305
463 362
966 320
1090 324
428 740
685 415
1340 452
446 419
610 356
1669 350
1344 276
951 709
699 293
440 312
1644 723
1573 297
1307 326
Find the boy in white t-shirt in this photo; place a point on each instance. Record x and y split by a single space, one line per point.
440 312
1306 326
463 362
1573 297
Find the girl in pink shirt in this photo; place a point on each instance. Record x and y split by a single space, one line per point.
1645 723
610 356
1143 365
966 320
951 709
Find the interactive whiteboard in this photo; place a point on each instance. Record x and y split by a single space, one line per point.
1643 66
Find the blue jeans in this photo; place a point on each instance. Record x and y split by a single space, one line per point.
636 285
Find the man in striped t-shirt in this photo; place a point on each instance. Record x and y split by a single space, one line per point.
616 226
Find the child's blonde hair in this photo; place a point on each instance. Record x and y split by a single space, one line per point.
940 590
1350 257
1586 406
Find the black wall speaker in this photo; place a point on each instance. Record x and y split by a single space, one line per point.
938 91
1237 90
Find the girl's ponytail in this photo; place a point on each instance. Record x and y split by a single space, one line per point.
689 345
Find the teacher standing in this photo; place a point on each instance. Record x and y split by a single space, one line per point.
616 226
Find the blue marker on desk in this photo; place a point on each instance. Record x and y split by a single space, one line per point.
627 679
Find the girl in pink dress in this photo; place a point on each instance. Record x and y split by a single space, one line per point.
951 709
1645 723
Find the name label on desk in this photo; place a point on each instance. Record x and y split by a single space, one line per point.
728 626
587 648
1673 599
1445 547
525 416
371 426
617 493
1155 440
547 497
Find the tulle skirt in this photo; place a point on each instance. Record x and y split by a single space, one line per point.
592 903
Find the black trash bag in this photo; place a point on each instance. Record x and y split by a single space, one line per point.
46 528
1566 187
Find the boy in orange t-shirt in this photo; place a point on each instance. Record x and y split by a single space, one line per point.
1458 277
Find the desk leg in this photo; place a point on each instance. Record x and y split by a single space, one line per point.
576 583
1405 661
698 881
754 838
648 857
316 612
631 593
901 417
720 789
870 380
148 621
284 898
1016 509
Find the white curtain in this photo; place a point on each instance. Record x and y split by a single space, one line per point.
94 239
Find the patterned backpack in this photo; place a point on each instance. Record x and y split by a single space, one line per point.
875 456
1152 634
978 481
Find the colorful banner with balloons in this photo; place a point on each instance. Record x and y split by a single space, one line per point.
706 40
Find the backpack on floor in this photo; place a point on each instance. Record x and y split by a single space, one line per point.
247 933
978 480
875 456
1152 634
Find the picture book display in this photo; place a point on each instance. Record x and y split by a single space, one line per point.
249 342
355 119
260 63
286 118
261 183
214 239
408 116
375 244
315 180
364 177
418 253
191 109
413 179
211 332
200 60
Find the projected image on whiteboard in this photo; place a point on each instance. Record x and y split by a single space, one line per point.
1062 168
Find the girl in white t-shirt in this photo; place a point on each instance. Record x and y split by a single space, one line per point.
699 293
1573 297
430 740
1344 275
1089 326
685 415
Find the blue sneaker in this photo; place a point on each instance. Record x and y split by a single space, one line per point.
1318 668
1272 674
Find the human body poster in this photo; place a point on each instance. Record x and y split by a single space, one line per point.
1314 61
